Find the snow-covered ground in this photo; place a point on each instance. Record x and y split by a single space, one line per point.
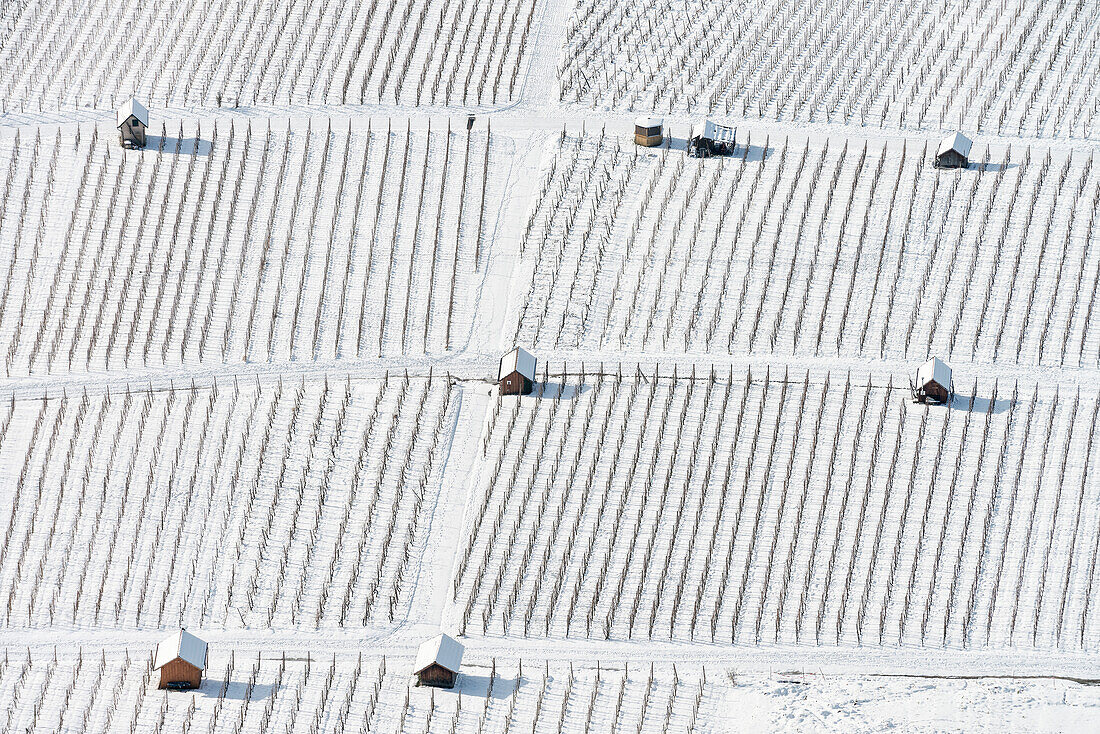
783 507
998 67
815 247
247 380
58 54
286 240
345 691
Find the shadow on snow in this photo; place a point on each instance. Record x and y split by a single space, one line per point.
981 405
558 390
478 686
187 146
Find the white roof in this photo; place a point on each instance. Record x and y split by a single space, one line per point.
131 108
517 360
934 370
649 121
957 142
181 644
711 130
442 650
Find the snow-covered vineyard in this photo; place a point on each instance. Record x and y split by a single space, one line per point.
1000 67
818 248
183 253
257 382
784 507
250 692
359 693
298 503
56 54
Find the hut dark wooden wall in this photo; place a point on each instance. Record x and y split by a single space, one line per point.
515 384
951 159
937 392
178 671
648 136
438 676
132 133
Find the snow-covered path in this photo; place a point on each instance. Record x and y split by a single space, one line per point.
427 605
538 115
481 366
402 643
541 84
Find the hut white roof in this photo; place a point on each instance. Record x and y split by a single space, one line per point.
648 121
131 108
711 130
517 360
934 370
183 645
442 650
957 142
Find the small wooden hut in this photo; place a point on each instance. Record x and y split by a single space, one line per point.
648 131
437 662
132 119
516 375
933 382
181 659
954 152
709 138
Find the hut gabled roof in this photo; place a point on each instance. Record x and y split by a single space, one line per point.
131 108
934 370
645 121
183 645
442 650
517 360
957 142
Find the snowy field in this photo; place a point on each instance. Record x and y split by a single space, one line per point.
1011 67
823 247
357 693
248 379
193 496
782 507
57 53
250 691
239 242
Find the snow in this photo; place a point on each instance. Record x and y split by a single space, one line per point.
351 691
877 255
247 372
240 54
956 142
132 108
518 360
1031 67
442 650
781 506
802 702
934 371
182 645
